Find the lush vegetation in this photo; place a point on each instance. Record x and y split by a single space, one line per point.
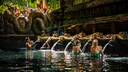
52 4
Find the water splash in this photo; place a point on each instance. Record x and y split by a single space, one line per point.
84 47
69 43
67 56
55 44
106 46
34 43
45 43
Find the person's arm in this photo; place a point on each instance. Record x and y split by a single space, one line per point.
28 45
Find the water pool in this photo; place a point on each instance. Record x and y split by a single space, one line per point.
15 61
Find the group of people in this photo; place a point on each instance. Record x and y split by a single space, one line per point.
95 48
76 39
81 36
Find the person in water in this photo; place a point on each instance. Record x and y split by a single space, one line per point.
61 44
29 44
95 50
76 45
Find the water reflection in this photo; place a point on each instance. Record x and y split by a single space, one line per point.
42 61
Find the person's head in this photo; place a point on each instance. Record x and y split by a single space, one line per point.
76 37
65 34
27 39
94 36
95 42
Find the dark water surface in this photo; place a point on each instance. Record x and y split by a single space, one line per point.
41 61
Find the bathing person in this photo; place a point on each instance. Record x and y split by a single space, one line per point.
95 50
29 44
76 45
61 44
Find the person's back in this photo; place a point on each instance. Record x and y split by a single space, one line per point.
95 50
76 44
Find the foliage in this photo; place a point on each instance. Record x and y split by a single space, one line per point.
54 4
3 9
9 3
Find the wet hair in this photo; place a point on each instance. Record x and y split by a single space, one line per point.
26 39
95 42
